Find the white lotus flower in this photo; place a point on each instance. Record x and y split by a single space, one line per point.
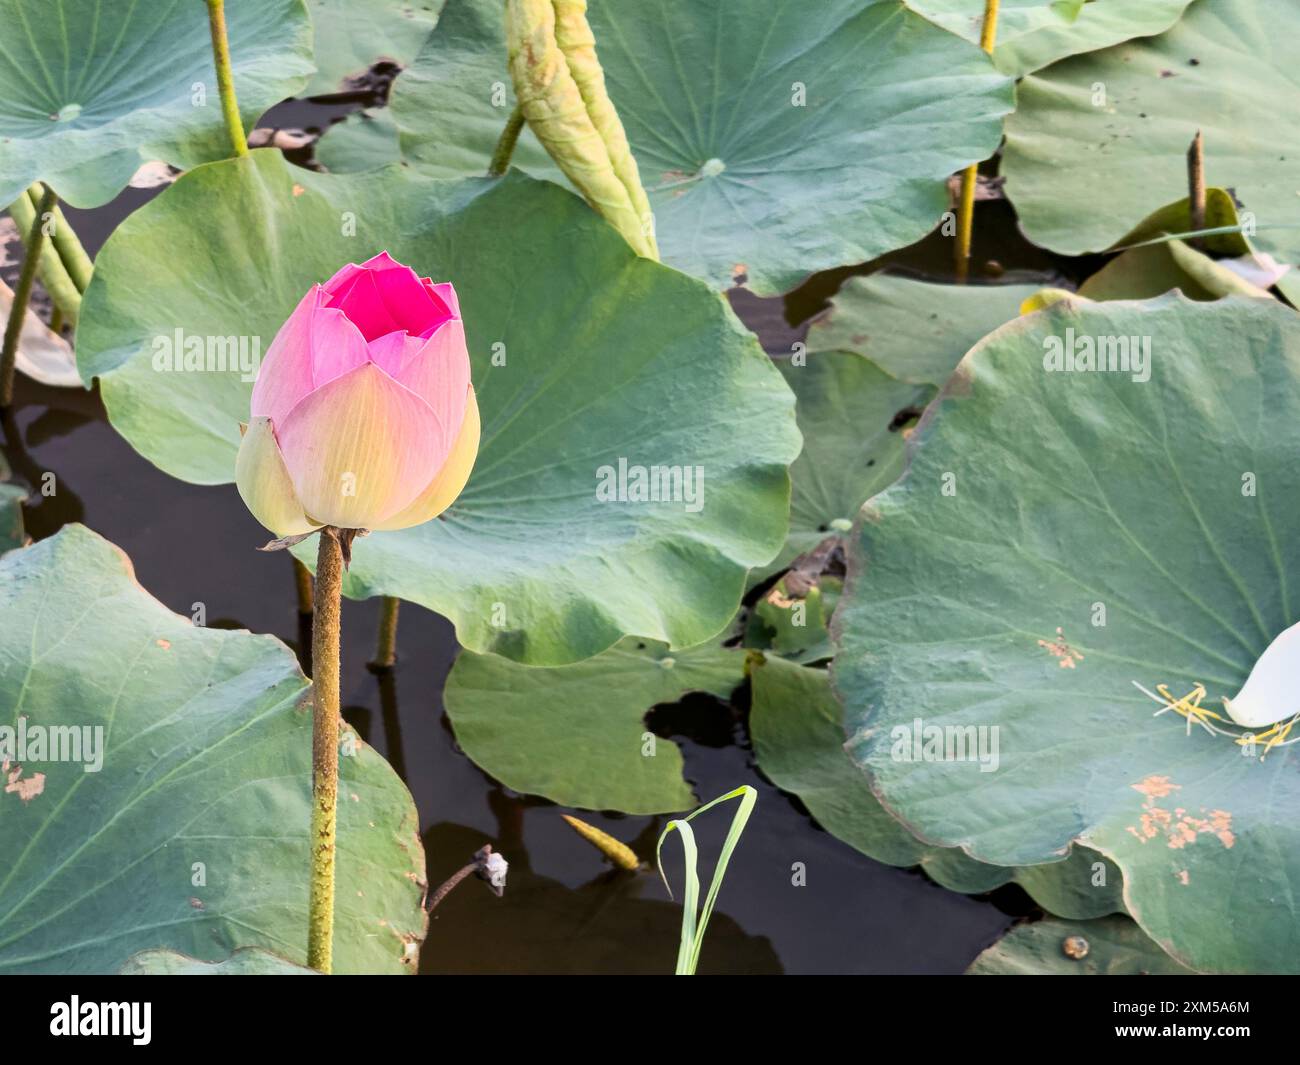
1272 691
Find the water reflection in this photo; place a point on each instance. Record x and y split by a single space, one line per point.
610 923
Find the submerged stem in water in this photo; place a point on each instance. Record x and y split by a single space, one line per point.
386 651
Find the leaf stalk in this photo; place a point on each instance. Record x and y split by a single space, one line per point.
970 176
22 294
225 79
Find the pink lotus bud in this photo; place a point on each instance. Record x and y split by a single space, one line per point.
363 415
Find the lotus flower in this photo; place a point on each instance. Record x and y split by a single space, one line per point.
363 415
1271 693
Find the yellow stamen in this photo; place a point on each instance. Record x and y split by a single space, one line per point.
1271 737
1190 708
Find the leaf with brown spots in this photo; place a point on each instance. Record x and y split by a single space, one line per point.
1114 513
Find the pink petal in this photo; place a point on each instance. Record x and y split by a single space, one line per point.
382 261
439 373
337 346
285 375
411 305
382 295
359 299
342 278
444 291
264 483
361 448
345 275
392 351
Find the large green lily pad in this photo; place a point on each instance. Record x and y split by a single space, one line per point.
851 415
1109 946
1084 168
916 331
1033 33
365 140
12 534
1037 506
583 355
855 412
1083 886
192 833
770 147
90 89
798 736
451 104
248 961
352 35
577 734
796 726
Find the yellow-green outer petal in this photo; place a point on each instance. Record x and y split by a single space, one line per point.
264 483
451 479
359 448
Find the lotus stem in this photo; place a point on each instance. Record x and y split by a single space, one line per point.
386 651
989 30
506 145
71 252
324 748
487 864
225 79
1196 186
965 220
49 268
9 353
452 882
970 176
302 580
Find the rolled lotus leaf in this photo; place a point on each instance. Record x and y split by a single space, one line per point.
561 115
577 42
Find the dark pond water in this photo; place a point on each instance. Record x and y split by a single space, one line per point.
564 910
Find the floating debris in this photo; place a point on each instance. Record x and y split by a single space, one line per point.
615 850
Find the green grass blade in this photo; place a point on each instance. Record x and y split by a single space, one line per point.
692 937
1193 234
686 944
